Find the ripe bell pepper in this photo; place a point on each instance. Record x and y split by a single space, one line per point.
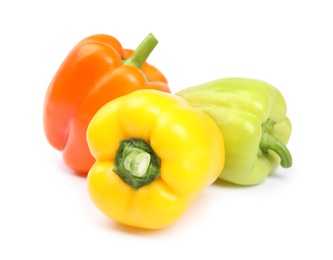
95 71
251 115
154 155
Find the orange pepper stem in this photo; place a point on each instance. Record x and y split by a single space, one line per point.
136 163
142 52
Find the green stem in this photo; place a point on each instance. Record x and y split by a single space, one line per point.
269 142
142 52
136 163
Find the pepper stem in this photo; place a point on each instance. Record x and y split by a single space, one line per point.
142 52
269 142
136 163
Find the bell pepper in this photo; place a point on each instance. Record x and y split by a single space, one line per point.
95 71
154 155
251 115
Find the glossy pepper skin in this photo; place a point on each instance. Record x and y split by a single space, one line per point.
95 71
154 155
251 115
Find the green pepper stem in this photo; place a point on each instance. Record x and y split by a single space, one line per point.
136 163
269 142
142 52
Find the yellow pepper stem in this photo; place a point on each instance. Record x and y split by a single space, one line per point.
136 163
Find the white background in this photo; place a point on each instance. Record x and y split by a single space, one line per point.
46 212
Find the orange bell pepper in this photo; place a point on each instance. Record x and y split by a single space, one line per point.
96 71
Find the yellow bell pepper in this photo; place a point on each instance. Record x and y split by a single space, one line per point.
154 154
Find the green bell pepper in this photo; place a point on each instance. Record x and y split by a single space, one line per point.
251 115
